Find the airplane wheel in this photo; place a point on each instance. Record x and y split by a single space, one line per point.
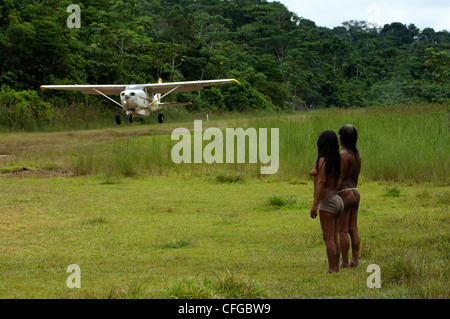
118 120
160 118
130 118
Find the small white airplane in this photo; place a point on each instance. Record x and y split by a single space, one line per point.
140 100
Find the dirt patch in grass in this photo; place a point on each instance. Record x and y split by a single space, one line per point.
40 173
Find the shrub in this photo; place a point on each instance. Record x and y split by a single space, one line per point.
393 191
280 201
23 110
229 178
228 286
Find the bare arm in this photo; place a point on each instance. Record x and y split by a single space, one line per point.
321 179
357 171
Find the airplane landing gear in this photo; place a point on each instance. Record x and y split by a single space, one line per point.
160 118
118 119
130 118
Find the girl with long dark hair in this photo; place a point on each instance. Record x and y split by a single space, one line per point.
326 174
350 169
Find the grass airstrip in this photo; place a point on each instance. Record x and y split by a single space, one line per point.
139 226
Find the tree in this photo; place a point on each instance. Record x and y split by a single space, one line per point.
439 64
279 54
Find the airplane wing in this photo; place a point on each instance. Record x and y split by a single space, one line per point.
88 89
185 86
175 103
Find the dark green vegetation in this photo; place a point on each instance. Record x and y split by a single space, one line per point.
279 58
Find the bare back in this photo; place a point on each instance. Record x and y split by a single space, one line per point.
350 169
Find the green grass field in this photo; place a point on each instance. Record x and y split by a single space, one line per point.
139 226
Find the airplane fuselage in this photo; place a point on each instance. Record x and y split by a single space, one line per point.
137 101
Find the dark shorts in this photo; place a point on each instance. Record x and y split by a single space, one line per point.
333 204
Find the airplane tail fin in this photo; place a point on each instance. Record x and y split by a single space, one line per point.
158 96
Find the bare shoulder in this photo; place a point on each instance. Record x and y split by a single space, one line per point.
345 155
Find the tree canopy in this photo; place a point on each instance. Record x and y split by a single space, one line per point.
275 53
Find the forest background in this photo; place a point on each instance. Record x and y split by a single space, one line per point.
281 59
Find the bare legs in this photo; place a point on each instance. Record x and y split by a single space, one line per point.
348 223
343 237
330 227
353 231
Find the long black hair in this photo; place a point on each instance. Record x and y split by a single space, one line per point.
349 137
328 148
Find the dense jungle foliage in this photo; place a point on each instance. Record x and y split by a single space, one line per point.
278 56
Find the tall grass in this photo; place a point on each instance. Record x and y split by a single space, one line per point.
398 143
125 158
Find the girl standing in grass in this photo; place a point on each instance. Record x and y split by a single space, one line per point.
326 174
350 169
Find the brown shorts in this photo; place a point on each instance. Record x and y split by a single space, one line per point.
333 204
